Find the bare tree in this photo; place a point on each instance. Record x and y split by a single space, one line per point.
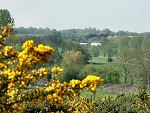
124 63
142 61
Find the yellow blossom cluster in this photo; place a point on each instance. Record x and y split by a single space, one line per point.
32 55
41 72
57 70
12 74
75 83
54 98
28 45
75 86
56 92
8 51
43 53
3 65
6 31
72 88
91 83
81 104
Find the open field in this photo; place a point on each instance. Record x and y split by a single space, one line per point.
113 90
100 60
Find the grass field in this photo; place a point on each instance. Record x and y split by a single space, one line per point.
100 60
113 90
101 93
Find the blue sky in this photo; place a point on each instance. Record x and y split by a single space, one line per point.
129 15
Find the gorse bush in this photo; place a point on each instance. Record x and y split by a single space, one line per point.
17 72
123 104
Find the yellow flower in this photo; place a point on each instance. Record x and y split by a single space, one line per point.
49 96
28 44
75 83
65 84
7 50
42 71
91 82
40 88
49 89
11 93
54 95
1 37
93 89
2 65
57 70
1 82
54 69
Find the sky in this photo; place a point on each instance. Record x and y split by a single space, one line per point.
128 15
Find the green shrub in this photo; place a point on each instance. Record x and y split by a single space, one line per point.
70 74
122 104
112 77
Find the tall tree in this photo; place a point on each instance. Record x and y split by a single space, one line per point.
72 45
104 46
73 61
124 63
142 62
5 17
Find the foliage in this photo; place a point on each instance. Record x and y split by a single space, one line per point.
124 63
110 59
17 72
89 69
74 46
94 51
123 104
112 77
73 61
33 30
5 17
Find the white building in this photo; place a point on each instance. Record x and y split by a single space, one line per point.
83 43
95 44
130 36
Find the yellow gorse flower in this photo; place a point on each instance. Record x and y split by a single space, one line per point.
50 88
32 55
28 45
91 83
8 51
75 83
57 70
42 71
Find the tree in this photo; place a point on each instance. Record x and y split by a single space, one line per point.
109 48
124 63
107 32
104 46
142 64
135 42
5 17
73 62
94 51
72 45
